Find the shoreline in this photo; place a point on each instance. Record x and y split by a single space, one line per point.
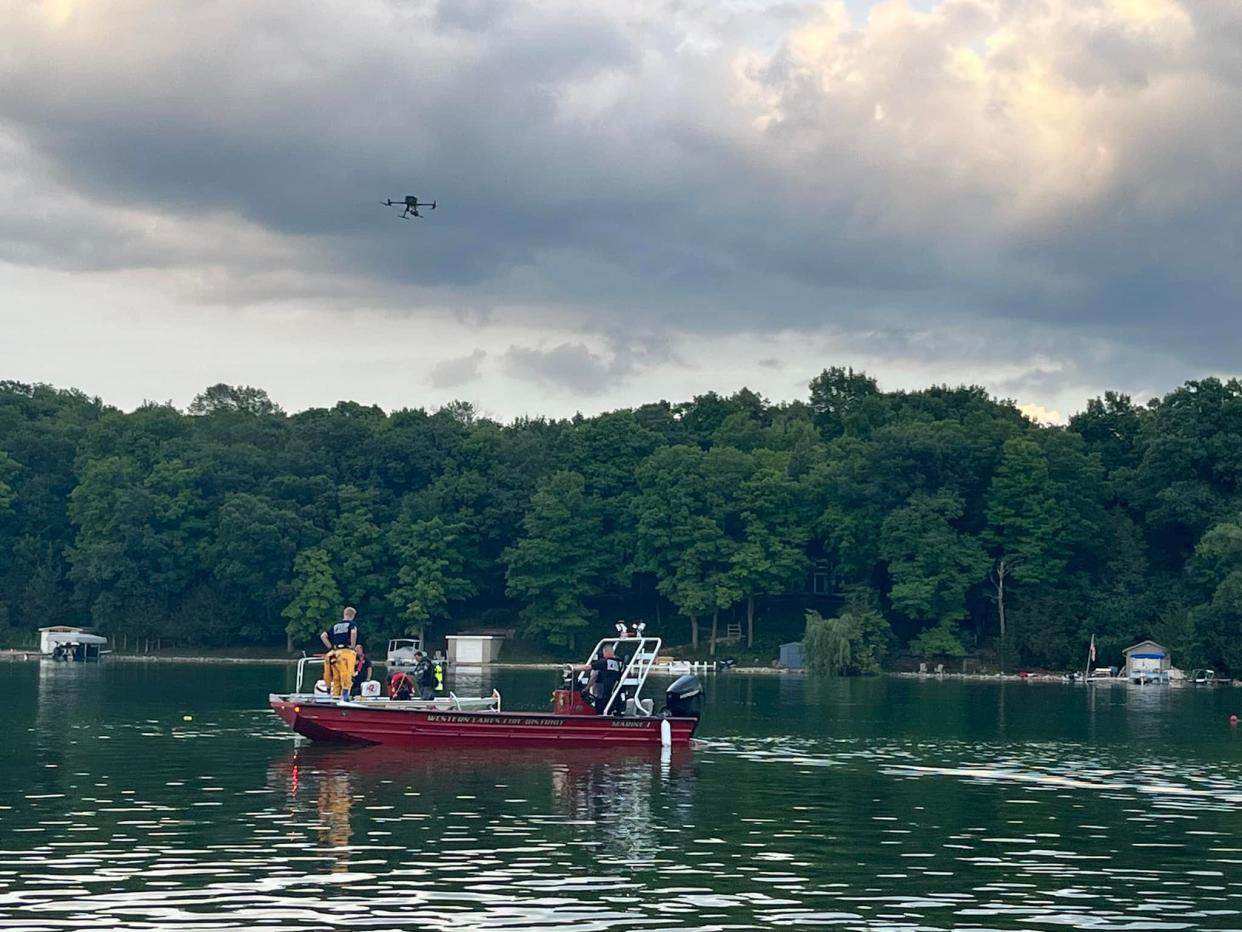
30 656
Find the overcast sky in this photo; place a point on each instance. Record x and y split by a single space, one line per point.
639 199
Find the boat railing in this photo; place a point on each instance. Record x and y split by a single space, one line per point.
318 659
302 662
636 671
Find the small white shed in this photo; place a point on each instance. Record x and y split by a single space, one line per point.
471 649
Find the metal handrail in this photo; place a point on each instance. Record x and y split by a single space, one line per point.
318 658
636 671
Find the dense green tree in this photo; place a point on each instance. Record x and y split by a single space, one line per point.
362 561
1112 426
1026 522
561 561
432 574
771 556
932 564
1190 467
251 556
943 639
846 402
1216 622
240 399
683 528
158 523
140 541
316 598
701 418
8 468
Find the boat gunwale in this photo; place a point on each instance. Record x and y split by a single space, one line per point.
353 705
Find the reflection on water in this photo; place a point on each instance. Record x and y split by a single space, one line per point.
468 681
883 805
334 803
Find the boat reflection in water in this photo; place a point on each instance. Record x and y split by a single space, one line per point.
69 705
620 799
626 798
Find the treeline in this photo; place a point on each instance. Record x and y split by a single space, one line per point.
944 512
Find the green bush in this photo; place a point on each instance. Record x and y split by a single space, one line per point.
939 641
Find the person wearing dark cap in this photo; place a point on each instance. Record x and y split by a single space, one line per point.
424 676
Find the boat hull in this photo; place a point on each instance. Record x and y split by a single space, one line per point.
323 721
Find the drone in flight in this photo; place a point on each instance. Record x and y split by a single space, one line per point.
411 204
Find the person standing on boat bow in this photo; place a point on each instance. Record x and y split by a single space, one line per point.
605 675
339 661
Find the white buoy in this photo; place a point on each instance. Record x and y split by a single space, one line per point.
666 734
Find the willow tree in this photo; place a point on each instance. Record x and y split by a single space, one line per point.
853 643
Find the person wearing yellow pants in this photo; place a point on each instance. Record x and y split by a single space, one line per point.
338 662
338 670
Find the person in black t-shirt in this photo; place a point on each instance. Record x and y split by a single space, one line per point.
605 675
338 662
342 634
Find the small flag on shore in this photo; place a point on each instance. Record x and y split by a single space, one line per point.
1091 651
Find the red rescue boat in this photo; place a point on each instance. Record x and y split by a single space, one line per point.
625 720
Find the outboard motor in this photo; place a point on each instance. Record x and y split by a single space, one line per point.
684 698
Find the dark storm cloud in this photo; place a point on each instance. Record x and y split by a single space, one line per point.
1037 177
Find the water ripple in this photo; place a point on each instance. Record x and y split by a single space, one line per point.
138 820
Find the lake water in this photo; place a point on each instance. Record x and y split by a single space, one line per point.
890 804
